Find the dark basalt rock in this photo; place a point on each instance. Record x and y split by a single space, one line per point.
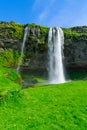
75 47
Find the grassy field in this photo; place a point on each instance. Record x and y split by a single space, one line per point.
45 107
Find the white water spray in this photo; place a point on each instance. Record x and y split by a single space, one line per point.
22 48
55 54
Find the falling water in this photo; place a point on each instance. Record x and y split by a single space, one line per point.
22 48
55 54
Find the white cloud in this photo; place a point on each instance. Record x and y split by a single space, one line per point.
35 5
45 12
43 15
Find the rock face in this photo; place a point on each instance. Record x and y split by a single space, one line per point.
11 35
75 48
76 55
36 47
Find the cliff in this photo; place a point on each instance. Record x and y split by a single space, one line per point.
75 48
35 52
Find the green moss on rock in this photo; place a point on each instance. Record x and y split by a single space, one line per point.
11 30
75 34
9 58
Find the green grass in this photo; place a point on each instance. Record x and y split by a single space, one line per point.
9 80
46 107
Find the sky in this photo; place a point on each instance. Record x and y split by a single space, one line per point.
61 13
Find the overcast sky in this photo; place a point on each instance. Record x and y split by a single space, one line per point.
61 13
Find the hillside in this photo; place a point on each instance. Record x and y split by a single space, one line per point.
9 80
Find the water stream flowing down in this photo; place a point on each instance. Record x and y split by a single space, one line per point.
22 48
55 55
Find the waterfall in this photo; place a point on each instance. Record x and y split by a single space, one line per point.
55 54
22 48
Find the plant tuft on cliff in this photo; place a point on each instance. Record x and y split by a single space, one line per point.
11 30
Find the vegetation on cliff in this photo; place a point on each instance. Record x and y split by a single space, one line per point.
9 58
11 30
11 36
38 38
75 34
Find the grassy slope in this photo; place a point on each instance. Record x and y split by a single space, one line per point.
9 80
46 107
